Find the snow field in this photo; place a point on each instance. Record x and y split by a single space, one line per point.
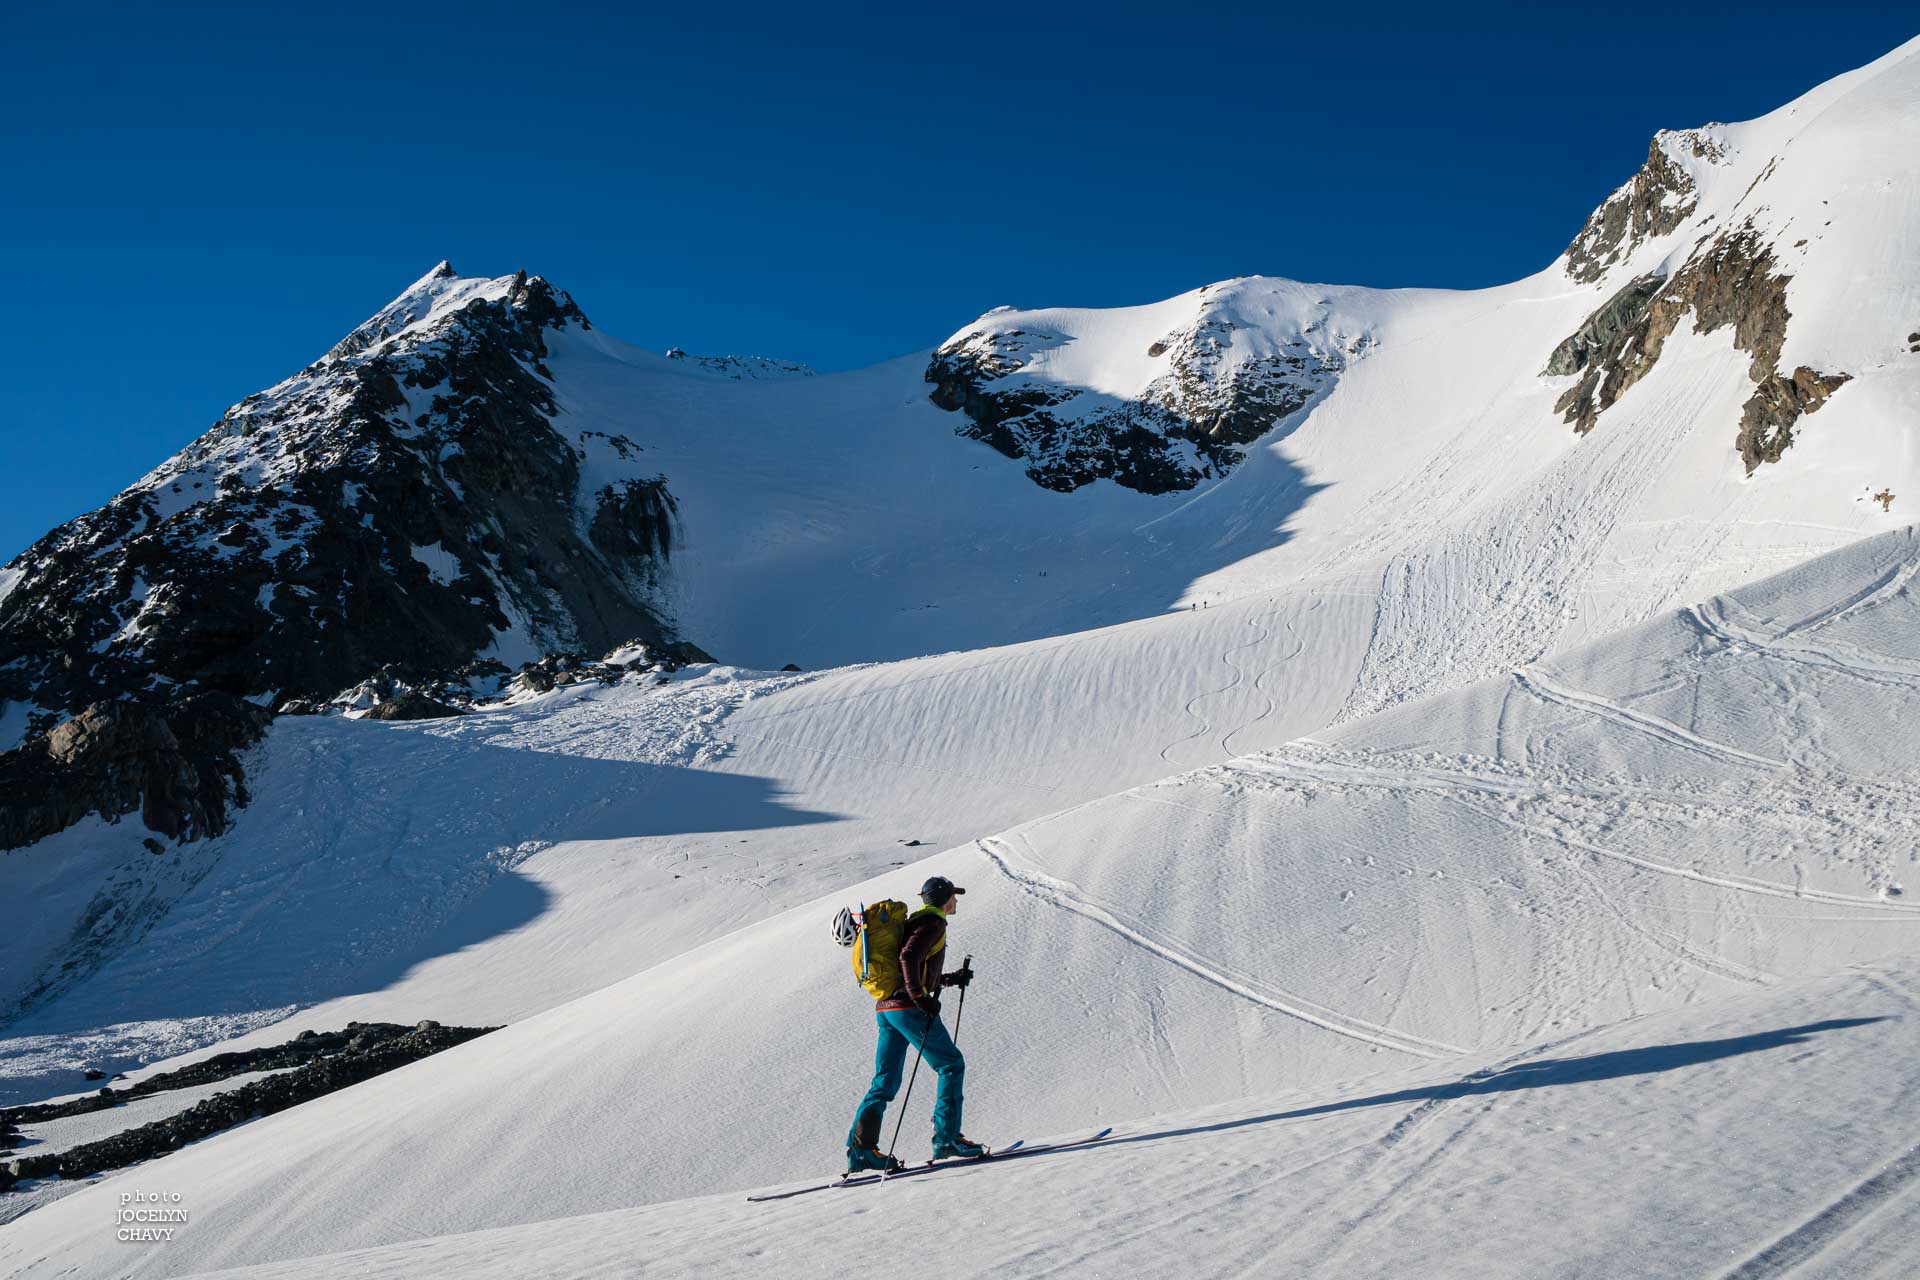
1488 868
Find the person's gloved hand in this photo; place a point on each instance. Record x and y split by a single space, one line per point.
929 1005
959 978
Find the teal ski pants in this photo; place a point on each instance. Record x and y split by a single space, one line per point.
900 1028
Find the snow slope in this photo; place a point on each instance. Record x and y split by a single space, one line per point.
485 868
1744 1138
1716 802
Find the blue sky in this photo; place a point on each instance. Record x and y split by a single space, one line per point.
199 200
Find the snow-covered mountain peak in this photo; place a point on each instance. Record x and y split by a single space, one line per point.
1661 197
426 304
402 357
404 501
1835 144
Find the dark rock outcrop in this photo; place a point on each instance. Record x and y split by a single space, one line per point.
401 693
1767 419
308 1046
1655 202
1606 333
1730 280
176 763
558 670
411 704
320 1064
635 520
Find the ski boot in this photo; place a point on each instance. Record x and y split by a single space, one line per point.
860 1159
957 1147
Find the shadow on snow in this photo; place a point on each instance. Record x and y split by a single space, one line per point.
367 851
1544 1074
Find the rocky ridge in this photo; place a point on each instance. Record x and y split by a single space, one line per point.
742 368
312 1065
1655 202
391 693
404 502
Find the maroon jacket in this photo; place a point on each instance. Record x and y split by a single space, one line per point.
919 962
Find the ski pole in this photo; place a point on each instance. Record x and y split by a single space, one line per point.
966 967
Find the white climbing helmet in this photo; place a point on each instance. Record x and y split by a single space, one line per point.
845 931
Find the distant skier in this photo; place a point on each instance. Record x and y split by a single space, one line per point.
909 1014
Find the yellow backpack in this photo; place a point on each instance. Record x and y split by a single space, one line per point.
880 926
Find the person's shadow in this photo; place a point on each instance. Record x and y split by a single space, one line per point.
1543 1074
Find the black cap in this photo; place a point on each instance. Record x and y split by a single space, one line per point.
938 890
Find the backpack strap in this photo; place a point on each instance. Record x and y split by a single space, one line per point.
865 967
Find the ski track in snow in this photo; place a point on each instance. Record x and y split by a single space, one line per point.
1239 677
1547 689
1259 681
1324 772
1664 939
1063 894
1467 586
1719 619
1892 583
1850 1211
1422 1172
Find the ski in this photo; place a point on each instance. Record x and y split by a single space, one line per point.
906 1172
1012 1151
